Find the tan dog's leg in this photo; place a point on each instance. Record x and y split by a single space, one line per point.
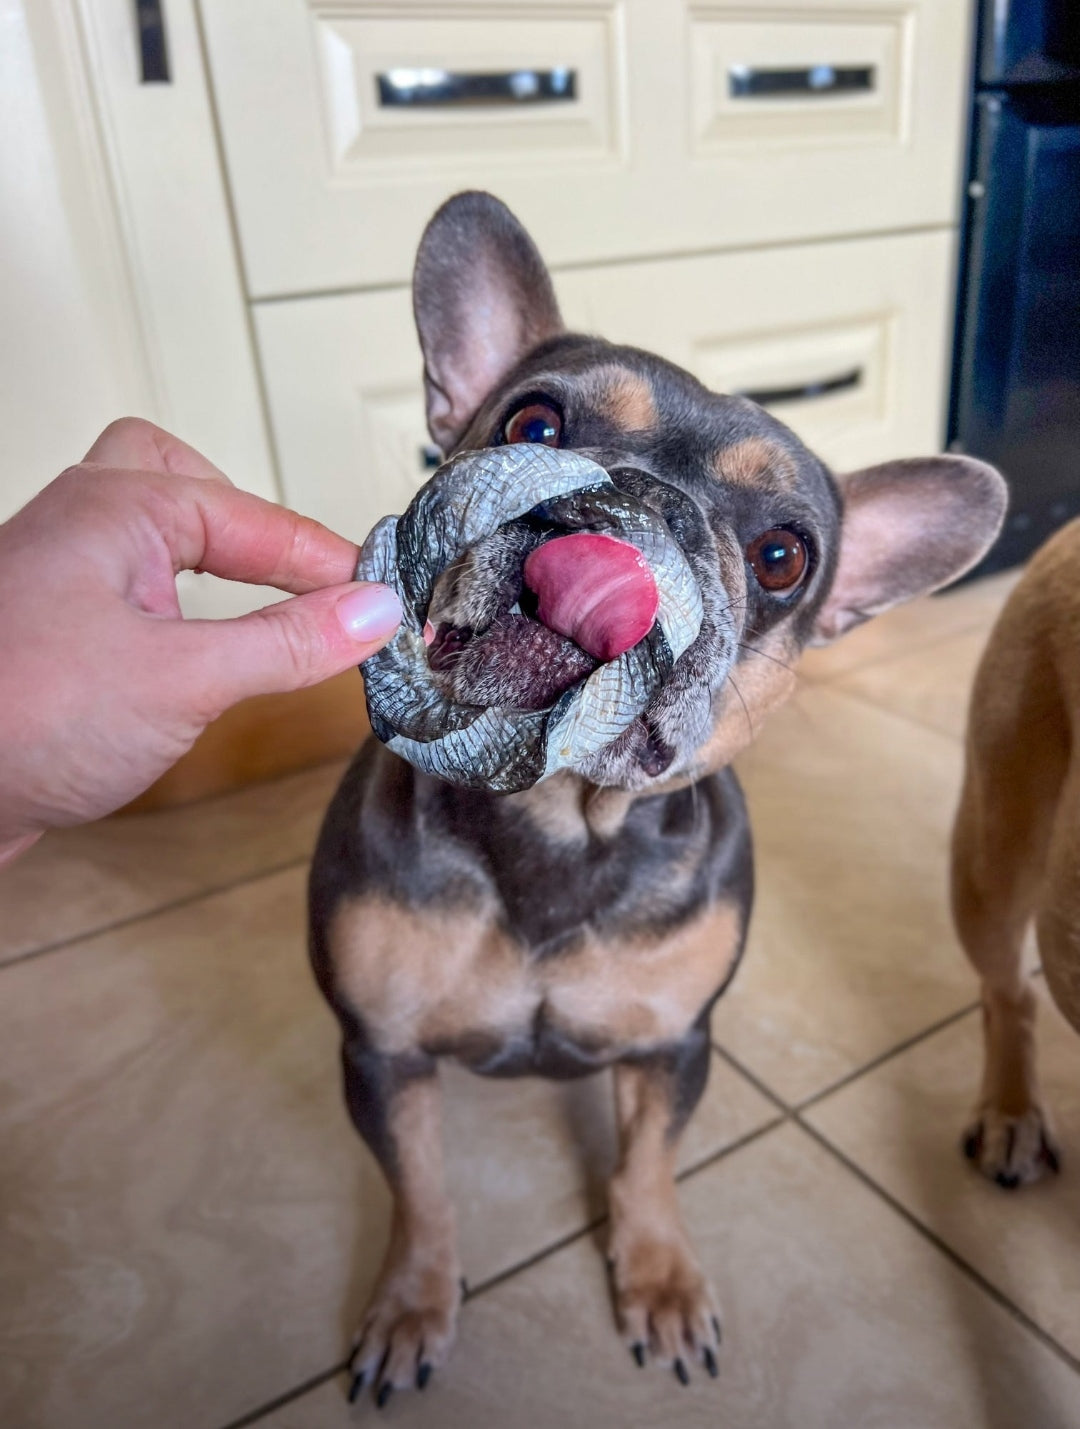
1016 755
408 1327
1057 921
662 1300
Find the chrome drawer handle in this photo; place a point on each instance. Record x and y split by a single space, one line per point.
445 87
816 80
153 49
773 396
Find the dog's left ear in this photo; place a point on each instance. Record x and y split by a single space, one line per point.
482 299
908 527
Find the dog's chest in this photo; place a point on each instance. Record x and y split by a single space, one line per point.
457 985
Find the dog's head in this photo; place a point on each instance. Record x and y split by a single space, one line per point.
785 554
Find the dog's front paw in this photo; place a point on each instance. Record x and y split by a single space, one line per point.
1012 1150
408 1328
663 1302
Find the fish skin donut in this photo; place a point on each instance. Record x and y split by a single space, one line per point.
469 498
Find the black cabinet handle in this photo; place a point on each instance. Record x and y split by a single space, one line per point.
816 80
153 48
445 88
773 396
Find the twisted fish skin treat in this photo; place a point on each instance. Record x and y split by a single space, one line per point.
462 703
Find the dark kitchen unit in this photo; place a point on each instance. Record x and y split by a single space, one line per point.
1016 371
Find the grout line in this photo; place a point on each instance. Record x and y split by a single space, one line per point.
501 1276
975 1276
883 1057
253 1415
737 1145
754 1080
184 901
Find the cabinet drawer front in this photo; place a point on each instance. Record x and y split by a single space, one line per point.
846 342
615 128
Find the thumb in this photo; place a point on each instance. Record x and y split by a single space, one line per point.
294 643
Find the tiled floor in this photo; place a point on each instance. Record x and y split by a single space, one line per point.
188 1226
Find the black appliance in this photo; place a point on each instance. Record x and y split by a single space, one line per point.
1016 371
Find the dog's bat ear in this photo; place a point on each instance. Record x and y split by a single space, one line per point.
908 527
482 299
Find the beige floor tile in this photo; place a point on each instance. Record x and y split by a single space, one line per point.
931 686
851 949
78 880
188 1224
912 627
902 1124
837 1313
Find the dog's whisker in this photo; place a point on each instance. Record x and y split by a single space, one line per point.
764 654
746 710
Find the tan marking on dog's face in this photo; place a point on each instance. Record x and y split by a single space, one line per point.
755 461
623 396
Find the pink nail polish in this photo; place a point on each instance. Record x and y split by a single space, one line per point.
371 612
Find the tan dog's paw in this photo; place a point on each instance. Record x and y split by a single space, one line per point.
1012 1150
407 1331
664 1304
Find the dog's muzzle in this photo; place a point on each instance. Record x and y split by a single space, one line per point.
556 567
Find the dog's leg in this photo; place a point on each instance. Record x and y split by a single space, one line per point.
1057 920
1011 783
663 1302
408 1327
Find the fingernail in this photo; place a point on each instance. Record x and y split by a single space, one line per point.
371 612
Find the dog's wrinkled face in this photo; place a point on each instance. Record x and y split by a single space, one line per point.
760 519
756 514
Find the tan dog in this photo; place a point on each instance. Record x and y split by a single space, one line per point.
1016 850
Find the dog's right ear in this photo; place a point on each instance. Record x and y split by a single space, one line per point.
482 299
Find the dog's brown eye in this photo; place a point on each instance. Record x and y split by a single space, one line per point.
778 559
537 423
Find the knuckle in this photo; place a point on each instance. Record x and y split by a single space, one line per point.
127 428
302 644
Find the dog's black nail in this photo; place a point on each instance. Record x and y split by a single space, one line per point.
1050 1156
717 1330
386 1389
638 1351
682 1374
423 1374
970 1144
463 1287
710 1362
1007 1180
356 1386
1010 1145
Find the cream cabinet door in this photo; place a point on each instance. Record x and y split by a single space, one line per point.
846 341
614 128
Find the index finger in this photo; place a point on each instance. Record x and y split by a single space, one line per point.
240 536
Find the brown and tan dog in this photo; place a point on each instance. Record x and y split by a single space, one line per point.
593 920
1016 850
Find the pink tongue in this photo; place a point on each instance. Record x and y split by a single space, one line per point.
597 590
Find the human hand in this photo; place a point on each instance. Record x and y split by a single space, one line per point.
103 684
